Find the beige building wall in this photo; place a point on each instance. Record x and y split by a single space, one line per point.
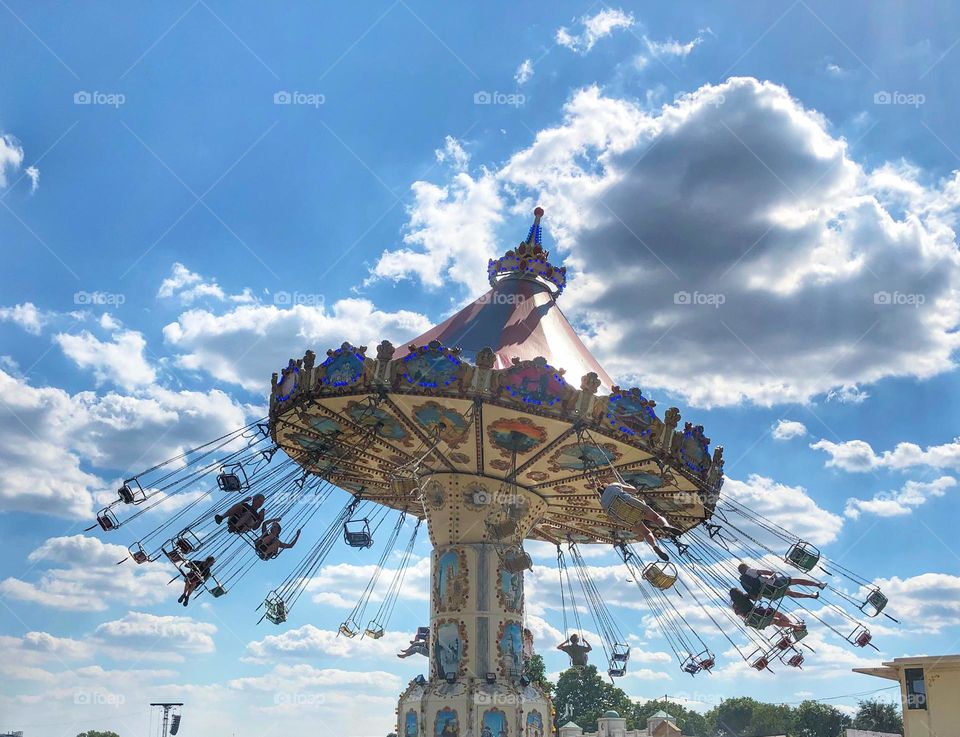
929 692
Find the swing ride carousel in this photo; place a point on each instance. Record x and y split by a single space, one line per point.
495 427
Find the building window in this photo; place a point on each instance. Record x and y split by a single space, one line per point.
916 688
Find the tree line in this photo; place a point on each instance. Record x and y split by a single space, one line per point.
589 696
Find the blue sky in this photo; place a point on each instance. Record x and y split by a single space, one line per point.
172 233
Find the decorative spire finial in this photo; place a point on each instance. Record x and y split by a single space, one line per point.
529 261
533 237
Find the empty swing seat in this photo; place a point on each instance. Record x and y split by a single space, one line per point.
861 636
660 575
761 663
374 631
107 520
229 482
138 554
349 629
275 608
131 494
516 561
874 604
617 670
796 660
356 533
620 653
803 555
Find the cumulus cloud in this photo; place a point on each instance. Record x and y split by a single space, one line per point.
902 501
524 72
119 361
53 439
592 28
453 154
246 344
929 602
188 287
82 575
11 159
341 584
27 316
787 429
859 455
157 637
788 506
672 47
309 642
731 231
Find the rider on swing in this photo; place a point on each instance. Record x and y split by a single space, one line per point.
577 652
244 516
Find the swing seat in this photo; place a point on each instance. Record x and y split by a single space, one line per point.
761 663
708 663
760 617
502 530
796 661
771 591
861 636
617 671
107 520
356 533
785 643
516 561
187 542
138 554
173 555
875 603
374 631
229 482
621 506
803 555
692 667
216 591
660 575
423 633
800 632
620 653
275 608
349 629
131 494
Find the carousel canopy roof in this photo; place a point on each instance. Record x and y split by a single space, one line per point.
519 317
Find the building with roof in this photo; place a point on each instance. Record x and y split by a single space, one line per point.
611 724
929 693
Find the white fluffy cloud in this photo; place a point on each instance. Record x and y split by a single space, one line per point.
592 28
27 316
81 574
11 159
51 435
902 501
188 287
248 343
157 637
524 72
787 429
732 231
859 455
119 361
788 506
309 642
928 603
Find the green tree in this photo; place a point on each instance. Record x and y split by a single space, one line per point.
743 715
94 733
690 722
537 671
878 716
812 719
589 696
